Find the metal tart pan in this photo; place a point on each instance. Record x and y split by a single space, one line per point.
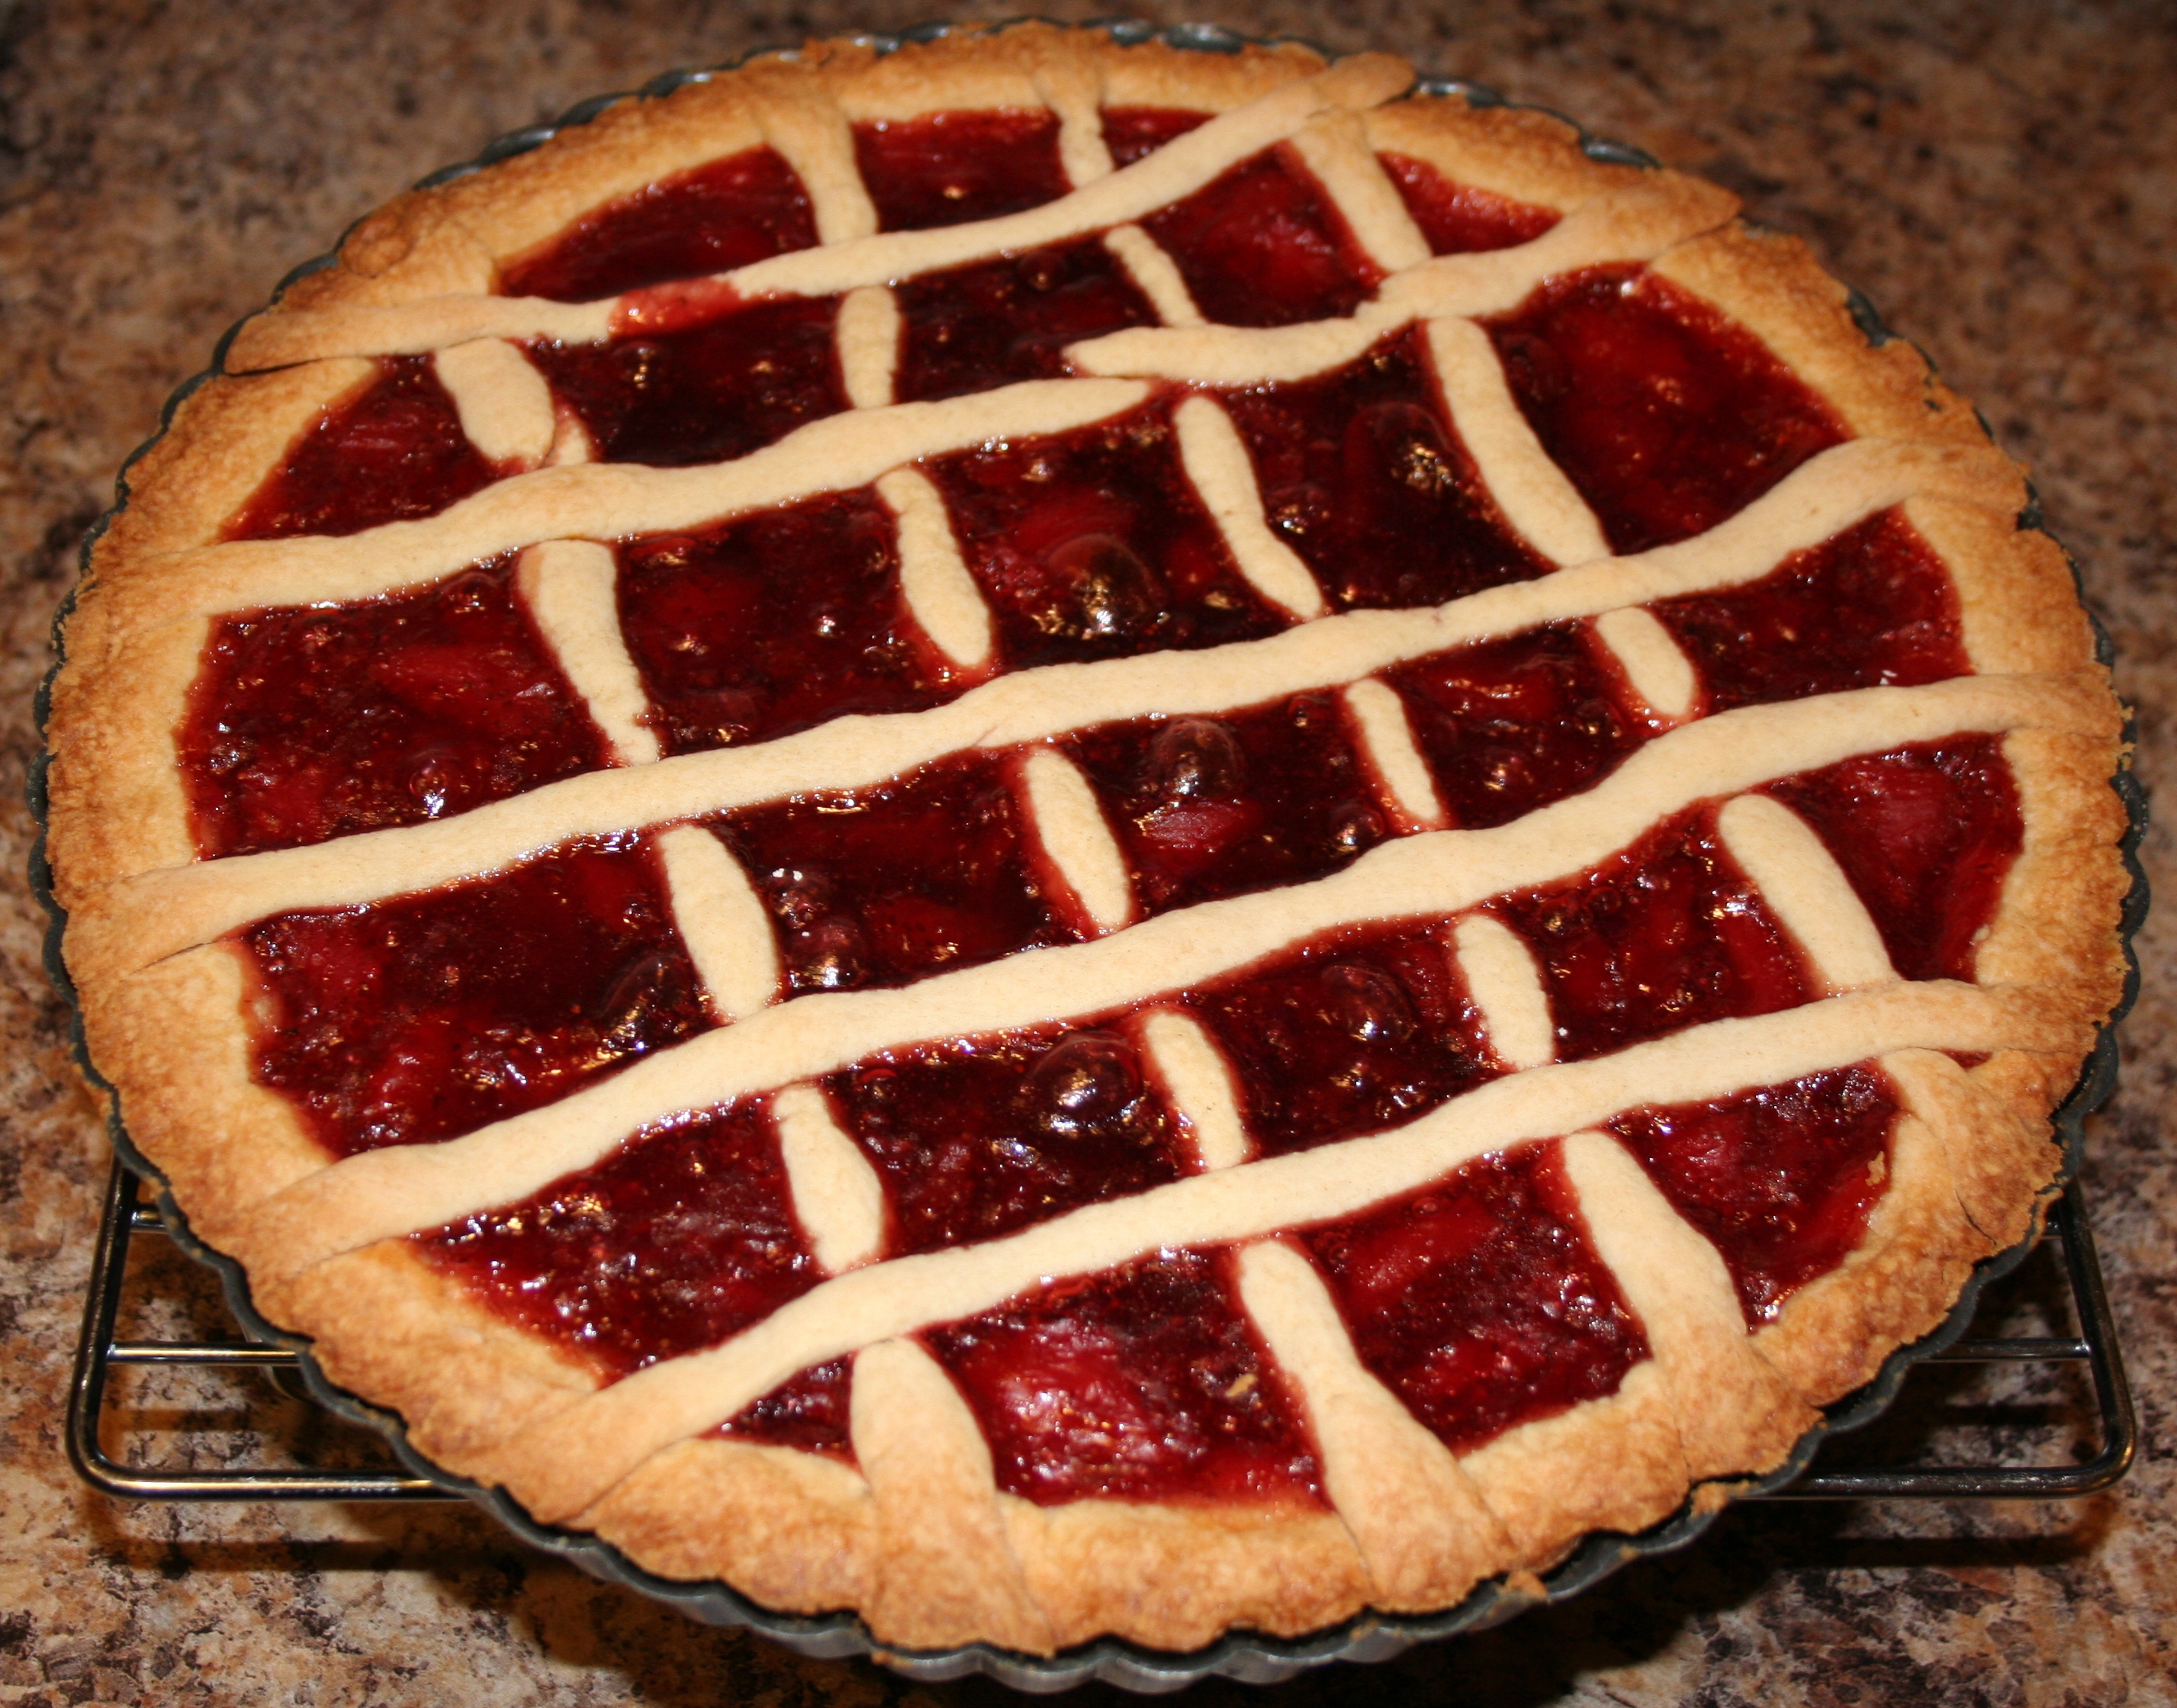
1243 1655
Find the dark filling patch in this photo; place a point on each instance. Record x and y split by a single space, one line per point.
1366 1029
1512 725
1459 220
1780 1180
1206 807
1668 416
1927 834
998 322
1668 934
1262 246
979 1136
1132 132
774 622
391 453
954 167
1093 544
1361 474
304 724
407 1021
924 874
1480 1302
1142 1384
745 208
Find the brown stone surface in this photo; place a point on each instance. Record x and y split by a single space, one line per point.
2001 177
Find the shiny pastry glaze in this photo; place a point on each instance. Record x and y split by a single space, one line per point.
1479 1300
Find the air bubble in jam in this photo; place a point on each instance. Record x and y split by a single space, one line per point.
1871 607
394 451
679 1239
980 1136
710 392
1093 544
1480 1301
774 622
747 207
1512 725
1927 834
1780 1181
1667 417
422 1017
1458 219
1140 1383
922 875
995 323
1206 807
1361 476
1669 934
951 168
1363 1030
305 723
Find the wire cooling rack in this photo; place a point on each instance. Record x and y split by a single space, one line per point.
127 1215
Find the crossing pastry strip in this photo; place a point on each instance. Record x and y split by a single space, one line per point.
381 1192
195 903
571 589
837 1198
1507 986
1198 1083
721 921
1217 462
1803 884
505 408
1155 275
933 577
867 337
1387 737
1071 826
572 1458
1335 151
1656 669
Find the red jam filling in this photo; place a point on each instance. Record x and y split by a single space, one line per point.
1927 835
1205 807
808 1412
1142 1384
679 1239
1480 1302
392 452
1665 936
953 167
1363 1030
926 873
990 324
1872 607
709 393
421 1018
1132 132
1780 1180
1261 245
745 208
305 724
1361 476
979 1136
772 623
1093 544
1668 416
1512 725
1458 219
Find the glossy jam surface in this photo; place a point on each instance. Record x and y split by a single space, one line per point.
709 393
998 322
1666 935
1361 475
977 1138
1262 246
679 1239
1515 725
1480 1302
1093 544
391 453
1140 1383
421 1018
1872 607
1205 807
1132 132
927 873
1780 1181
760 627
747 207
1366 1029
304 724
1667 417
951 168
1458 219
808 1412
1927 835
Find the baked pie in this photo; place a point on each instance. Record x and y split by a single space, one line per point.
1056 838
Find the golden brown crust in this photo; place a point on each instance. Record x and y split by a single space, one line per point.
1967 1166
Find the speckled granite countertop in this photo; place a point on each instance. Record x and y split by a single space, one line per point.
2001 178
